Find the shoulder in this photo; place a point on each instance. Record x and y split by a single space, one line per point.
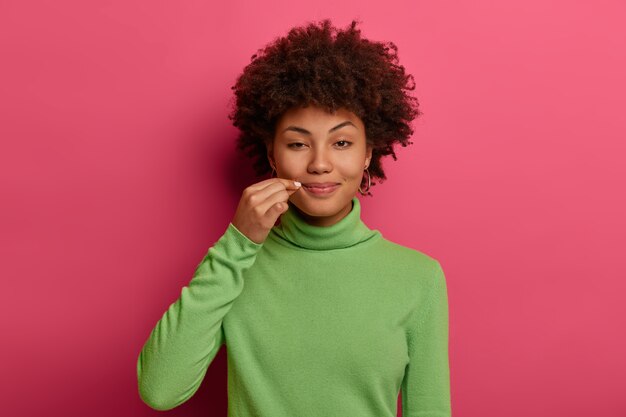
417 275
416 272
414 257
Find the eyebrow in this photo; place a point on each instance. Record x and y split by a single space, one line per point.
306 132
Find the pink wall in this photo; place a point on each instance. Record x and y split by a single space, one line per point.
113 130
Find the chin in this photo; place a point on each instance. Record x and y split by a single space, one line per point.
321 207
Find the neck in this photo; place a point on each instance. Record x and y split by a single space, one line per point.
294 231
324 221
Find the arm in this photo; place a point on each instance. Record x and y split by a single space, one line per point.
426 383
182 345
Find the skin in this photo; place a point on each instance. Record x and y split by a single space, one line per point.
260 206
339 156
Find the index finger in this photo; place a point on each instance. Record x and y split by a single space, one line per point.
289 184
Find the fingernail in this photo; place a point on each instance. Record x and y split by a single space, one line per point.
297 183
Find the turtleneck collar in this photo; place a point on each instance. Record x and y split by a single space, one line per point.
293 230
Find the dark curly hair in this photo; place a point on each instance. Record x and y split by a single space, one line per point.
311 66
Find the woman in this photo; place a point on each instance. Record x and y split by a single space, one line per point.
320 315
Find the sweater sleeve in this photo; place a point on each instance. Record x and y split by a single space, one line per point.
426 383
184 342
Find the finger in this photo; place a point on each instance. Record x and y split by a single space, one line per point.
261 195
261 184
281 208
291 184
288 183
279 196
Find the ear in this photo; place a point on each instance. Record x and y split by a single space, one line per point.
270 151
368 154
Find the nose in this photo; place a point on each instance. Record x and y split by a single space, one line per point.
320 162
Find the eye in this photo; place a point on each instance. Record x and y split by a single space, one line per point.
348 143
293 145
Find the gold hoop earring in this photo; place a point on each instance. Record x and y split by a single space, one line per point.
369 183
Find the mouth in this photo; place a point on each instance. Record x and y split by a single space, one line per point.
320 189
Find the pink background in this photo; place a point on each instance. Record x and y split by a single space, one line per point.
118 172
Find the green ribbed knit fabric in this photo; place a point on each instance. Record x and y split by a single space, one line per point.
317 322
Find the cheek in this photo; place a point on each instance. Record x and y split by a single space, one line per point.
352 168
287 163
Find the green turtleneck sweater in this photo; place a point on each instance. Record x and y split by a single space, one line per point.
316 321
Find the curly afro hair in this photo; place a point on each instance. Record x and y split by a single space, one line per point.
330 68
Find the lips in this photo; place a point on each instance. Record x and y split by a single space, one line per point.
320 185
321 189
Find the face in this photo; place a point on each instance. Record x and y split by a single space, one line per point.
313 146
